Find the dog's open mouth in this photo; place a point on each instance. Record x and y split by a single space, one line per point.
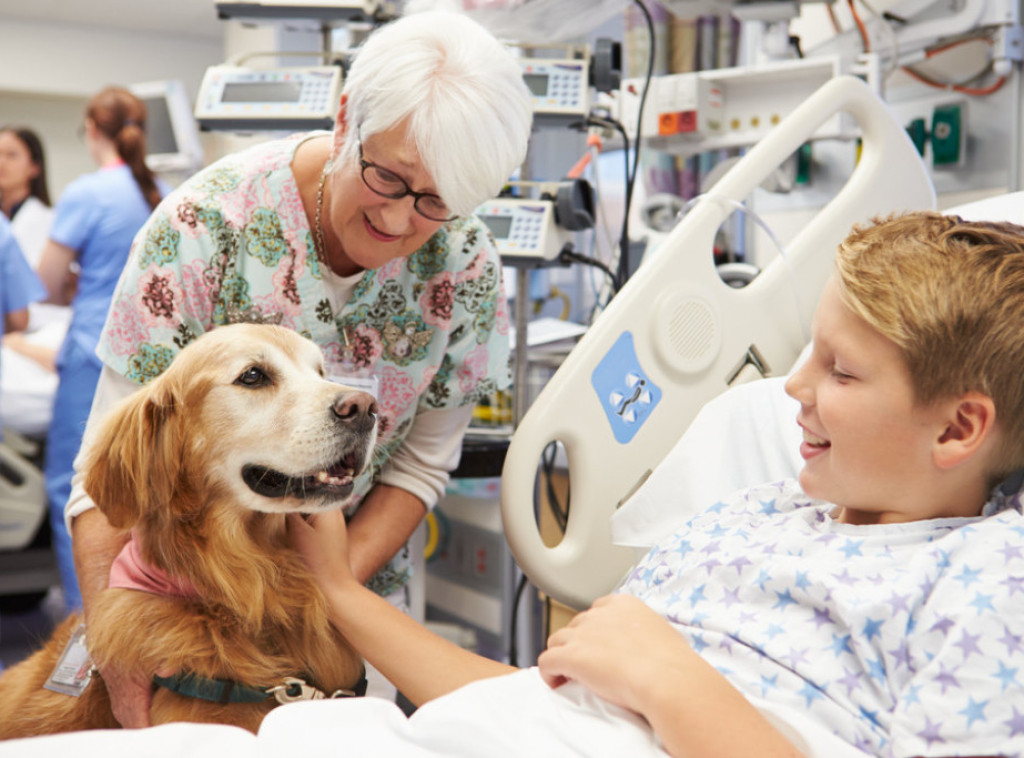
335 481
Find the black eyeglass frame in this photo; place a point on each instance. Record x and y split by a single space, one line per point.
416 196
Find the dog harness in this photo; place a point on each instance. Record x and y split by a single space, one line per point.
225 691
130 571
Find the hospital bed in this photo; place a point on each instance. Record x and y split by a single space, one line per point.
688 337
677 335
27 390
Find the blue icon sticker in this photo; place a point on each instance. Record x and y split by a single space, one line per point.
627 394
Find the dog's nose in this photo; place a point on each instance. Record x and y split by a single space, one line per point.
355 406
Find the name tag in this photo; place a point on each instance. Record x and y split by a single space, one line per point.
73 671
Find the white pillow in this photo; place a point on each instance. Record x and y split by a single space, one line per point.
746 436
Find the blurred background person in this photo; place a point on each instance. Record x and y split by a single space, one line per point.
95 221
24 196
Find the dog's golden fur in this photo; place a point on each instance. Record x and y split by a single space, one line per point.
168 464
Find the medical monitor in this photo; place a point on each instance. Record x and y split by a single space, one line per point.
172 135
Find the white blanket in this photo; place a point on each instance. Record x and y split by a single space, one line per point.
515 715
507 717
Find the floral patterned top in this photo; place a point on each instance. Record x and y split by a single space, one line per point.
233 243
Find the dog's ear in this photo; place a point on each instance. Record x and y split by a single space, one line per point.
126 461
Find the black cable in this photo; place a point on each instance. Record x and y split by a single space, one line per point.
571 256
513 652
623 272
561 514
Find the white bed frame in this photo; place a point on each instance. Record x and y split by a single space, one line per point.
676 336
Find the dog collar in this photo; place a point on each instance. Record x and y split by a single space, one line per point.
225 691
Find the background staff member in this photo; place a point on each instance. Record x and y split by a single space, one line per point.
95 221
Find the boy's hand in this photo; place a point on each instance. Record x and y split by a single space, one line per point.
617 649
322 541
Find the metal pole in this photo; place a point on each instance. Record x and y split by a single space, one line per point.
519 389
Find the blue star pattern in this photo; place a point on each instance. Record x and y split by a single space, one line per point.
903 639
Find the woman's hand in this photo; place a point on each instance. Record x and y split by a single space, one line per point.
322 541
618 649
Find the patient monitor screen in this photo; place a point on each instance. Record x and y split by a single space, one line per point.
537 83
160 137
262 92
500 225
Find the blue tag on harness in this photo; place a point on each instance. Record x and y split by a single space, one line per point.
627 394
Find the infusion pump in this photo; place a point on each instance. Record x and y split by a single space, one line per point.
559 88
524 228
235 98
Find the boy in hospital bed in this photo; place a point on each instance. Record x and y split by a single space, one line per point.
876 606
881 596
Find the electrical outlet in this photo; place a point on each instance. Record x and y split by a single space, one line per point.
949 135
918 132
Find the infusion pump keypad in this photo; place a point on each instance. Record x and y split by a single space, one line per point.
527 228
556 87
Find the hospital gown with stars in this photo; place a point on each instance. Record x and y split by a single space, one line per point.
903 639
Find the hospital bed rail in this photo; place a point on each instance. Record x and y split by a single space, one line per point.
677 335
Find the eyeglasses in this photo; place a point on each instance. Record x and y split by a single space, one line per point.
389 184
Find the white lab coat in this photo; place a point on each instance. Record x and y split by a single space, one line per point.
31 227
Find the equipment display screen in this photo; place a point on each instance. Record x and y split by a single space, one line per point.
500 225
261 92
537 83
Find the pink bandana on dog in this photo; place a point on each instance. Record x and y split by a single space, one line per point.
130 572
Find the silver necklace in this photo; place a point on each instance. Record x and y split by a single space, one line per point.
319 244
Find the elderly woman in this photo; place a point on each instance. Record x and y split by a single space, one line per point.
364 240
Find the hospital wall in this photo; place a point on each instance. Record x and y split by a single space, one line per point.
49 70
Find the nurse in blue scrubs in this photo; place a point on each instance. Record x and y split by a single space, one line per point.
95 221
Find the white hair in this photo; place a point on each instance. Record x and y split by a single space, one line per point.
462 91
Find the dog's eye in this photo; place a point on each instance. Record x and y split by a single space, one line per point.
253 377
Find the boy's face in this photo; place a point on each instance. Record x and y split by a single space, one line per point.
867 445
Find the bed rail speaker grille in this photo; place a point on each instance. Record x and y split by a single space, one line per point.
688 334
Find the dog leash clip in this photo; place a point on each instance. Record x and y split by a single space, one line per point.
294 690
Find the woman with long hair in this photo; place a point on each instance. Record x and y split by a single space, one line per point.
96 219
24 195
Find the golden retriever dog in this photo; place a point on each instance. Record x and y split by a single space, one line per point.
202 465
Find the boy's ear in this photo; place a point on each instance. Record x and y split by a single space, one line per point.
969 423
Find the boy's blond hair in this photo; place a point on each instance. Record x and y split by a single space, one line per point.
950 294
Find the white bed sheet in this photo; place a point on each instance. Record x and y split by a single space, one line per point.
27 390
507 717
